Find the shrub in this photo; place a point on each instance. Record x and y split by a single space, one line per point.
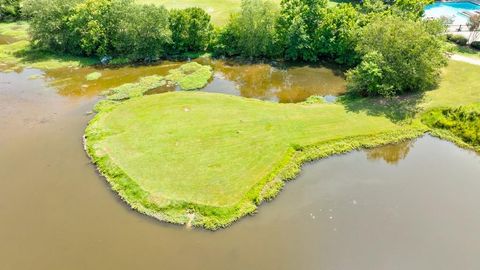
399 55
9 10
475 45
49 26
457 39
191 30
143 33
463 122
250 33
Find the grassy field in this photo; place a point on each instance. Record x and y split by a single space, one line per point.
217 156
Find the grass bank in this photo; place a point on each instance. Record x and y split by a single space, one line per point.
208 159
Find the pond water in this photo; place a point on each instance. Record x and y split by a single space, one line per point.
414 205
278 83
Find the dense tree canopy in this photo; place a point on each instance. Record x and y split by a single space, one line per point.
251 33
9 10
191 30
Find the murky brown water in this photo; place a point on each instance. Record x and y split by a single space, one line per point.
353 211
262 81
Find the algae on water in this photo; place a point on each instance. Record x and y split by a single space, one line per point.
191 76
93 76
131 90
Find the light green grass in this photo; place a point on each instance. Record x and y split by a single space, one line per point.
215 156
191 76
19 54
460 85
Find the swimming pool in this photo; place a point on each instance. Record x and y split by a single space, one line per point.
452 10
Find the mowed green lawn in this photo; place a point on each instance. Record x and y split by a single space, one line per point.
216 151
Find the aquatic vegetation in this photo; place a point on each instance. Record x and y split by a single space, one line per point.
217 157
131 90
460 123
93 76
191 76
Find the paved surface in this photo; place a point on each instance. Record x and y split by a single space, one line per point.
466 59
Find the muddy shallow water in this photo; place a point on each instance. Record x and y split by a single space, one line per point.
414 205
278 83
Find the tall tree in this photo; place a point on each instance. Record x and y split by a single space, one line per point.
297 24
191 29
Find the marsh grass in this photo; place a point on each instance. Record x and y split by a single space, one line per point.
460 123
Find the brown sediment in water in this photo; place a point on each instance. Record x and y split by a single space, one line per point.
261 81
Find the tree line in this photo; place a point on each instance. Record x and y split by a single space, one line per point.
389 47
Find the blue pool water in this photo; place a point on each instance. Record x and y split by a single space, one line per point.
452 10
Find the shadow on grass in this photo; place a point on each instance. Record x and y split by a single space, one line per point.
33 55
397 109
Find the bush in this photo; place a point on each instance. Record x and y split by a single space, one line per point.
9 10
475 45
399 55
457 39
463 122
49 27
191 30
250 33
143 33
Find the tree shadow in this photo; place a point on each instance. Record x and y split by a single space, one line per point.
397 109
32 55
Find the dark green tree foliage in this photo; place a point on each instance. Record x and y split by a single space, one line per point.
191 30
9 10
95 23
143 34
49 27
400 55
335 37
250 33
297 26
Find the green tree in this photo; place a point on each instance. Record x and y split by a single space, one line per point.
252 31
399 55
335 37
49 23
143 33
297 25
9 10
191 29
95 23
